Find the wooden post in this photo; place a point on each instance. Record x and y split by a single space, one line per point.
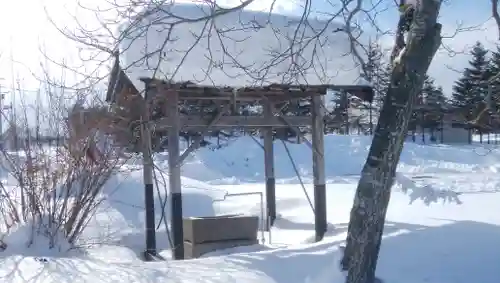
269 169
442 127
346 112
371 118
147 163
320 221
422 124
175 175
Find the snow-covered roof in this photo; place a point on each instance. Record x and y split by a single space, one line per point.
241 48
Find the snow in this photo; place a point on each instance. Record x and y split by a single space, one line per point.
241 48
345 155
442 225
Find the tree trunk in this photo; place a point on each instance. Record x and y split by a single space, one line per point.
494 13
374 188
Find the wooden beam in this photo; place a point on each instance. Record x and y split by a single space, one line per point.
282 92
148 169
216 98
269 167
236 121
318 143
296 130
174 177
196 143
247 97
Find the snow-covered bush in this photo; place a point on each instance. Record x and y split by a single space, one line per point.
54 183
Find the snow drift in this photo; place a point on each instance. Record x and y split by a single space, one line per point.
240 48
243 160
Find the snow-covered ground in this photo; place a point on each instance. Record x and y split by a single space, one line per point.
433 243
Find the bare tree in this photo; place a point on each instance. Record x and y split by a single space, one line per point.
374 189
58 175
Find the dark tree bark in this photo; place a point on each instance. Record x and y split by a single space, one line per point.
494 13
374 189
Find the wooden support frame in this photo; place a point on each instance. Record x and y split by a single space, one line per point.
318 143
196 143
228 122
271 119
269 167
150 253
286 121
275 92
175 175
296 130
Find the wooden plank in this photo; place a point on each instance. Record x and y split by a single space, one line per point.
282 92
248 97
191 96
236 121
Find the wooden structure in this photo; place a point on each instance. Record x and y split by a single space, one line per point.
451 124
227 100
207 234
162 107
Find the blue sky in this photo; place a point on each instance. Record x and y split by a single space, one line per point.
471 11
467 13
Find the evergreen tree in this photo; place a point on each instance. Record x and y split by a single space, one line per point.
470 91
437 99
494 70
382 84
432 95
433 101
377 74
339 119
417 118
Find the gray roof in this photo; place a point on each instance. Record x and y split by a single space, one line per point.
242 48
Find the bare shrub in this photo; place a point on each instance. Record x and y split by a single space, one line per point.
60 159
